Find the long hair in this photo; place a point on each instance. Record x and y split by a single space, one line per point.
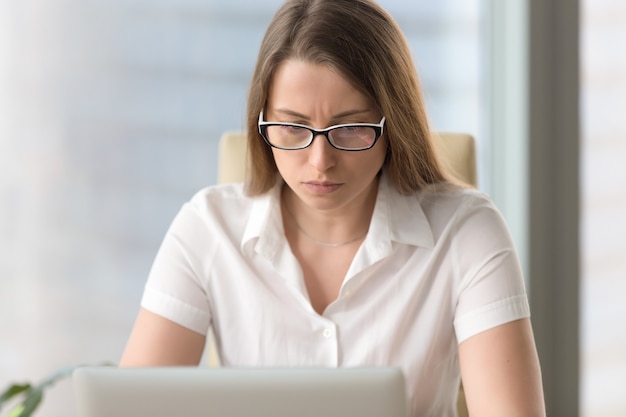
364 44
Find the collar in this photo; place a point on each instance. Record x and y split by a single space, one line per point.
400 217
264 232
396 218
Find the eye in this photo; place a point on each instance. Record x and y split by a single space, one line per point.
352 131
291 129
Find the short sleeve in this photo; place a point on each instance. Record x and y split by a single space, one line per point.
491 288
175 287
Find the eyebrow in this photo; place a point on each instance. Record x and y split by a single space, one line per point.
335 116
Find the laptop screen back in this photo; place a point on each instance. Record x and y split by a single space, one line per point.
238 392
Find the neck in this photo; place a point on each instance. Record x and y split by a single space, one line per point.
329 230
321 242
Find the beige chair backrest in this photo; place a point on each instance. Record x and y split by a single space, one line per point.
457 151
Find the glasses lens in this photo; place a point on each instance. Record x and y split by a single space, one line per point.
353 137
288 136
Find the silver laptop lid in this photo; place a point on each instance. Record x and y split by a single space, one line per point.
237 392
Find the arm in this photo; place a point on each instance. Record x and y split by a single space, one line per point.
501 373
157 341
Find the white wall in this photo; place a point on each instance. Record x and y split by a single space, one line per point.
603 227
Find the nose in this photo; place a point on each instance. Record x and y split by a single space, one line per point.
321 153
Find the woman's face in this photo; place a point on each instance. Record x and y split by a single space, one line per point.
323 177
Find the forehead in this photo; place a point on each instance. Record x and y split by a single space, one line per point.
312 88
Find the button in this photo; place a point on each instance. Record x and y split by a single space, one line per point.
328 332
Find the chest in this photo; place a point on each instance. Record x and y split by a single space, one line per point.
324 271
379 316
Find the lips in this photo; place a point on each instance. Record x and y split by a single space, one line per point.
322 187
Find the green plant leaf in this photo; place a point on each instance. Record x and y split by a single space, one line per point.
32 401
17 411
33 395
12 391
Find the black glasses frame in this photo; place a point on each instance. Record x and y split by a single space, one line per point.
378 132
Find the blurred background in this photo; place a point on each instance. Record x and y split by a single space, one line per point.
110 115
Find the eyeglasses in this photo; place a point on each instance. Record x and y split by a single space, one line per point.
346 137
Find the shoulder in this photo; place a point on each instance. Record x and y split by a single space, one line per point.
439 200
460 210
437 213
460 200
222 199
217 207
219 194
228 205
218 214
452 201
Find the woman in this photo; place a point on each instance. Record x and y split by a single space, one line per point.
348 245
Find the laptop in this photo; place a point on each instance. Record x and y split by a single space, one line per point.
239 392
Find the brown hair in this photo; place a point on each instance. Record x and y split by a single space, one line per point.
362 42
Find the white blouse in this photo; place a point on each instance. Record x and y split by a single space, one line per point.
436 268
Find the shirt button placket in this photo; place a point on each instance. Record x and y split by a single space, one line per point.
331 343
328 333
